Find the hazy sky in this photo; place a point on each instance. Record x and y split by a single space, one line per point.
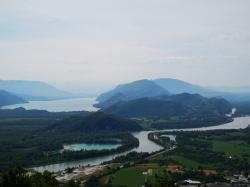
105 42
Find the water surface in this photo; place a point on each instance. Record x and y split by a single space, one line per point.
63 105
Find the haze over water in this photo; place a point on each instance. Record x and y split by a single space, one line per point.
64 105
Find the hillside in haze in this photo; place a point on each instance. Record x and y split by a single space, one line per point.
183 105
95 122
167 86
33 90
175 86
232 94
130 91
7 98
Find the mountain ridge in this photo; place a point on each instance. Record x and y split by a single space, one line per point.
182 105
175 86
33 90
7 98
96 122
130 91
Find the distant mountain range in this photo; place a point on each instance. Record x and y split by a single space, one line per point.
33 90
166 86
181 105
175 86
7 98
169 97
96 122
232 94
130 91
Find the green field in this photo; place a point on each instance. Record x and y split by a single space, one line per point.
129 177
233 148
189 163
133 177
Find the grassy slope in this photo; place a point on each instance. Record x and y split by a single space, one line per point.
189 163
236 148
133 177
129 177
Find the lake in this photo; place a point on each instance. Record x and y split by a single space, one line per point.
63 105
145 145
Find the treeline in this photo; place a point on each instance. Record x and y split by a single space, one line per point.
198 175
182 123
242 108
19 177
130 157
23 113
31 140
43 148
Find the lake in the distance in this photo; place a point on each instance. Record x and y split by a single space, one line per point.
63 105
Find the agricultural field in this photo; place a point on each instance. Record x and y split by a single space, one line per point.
231 148
189 163
134 176
227 150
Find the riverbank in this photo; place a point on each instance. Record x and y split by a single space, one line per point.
145 145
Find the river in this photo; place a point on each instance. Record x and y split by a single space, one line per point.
145 145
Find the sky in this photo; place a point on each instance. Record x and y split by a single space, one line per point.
99 43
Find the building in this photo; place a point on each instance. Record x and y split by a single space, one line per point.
190 183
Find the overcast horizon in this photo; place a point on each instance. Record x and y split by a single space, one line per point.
104 43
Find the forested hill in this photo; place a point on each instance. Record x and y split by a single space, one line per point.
95 122
7 98
130 91
185 105
23 113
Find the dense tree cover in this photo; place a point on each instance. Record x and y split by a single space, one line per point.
185 122
19 177
93 181
95 122
23 113
163 180
198 175
28 142
39 149
243 108
7 98
182 105
130 157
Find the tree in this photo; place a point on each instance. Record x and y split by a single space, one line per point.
15 177
164 180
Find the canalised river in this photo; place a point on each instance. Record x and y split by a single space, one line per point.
145 145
